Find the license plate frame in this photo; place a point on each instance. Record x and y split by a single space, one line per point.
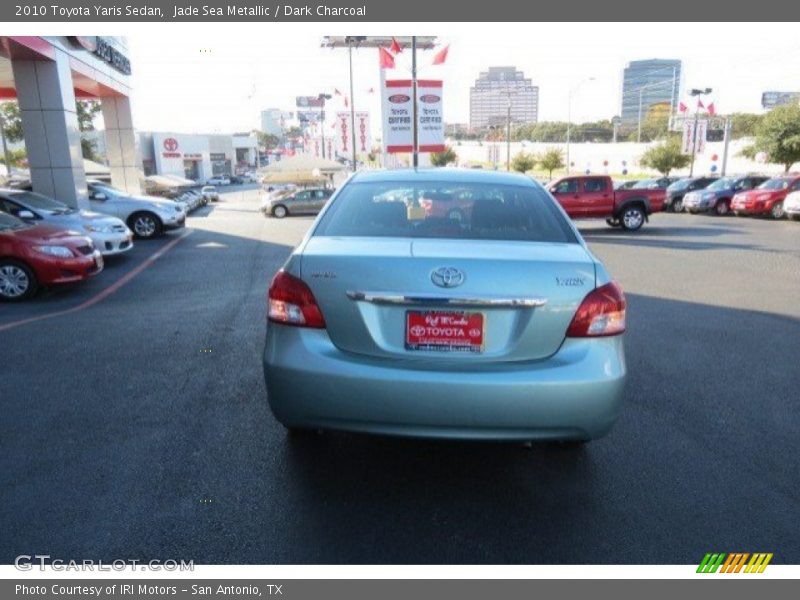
459 331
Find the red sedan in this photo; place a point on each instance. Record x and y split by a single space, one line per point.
767 198
32 256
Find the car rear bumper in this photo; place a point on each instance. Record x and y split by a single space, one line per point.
575 394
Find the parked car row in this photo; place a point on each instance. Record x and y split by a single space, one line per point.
224 179
45 242
741 195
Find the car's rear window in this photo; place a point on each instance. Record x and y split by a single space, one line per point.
446 210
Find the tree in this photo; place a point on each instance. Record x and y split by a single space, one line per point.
523 162
778 135
655 124
87 111
665 156
11 121
267 140
744 124
551 160
441 159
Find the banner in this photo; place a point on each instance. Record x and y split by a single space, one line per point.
430 116
344 137
397 109
689 136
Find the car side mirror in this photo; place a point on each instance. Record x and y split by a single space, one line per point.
26 214
100 196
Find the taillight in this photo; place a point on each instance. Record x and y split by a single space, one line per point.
292 303
601 313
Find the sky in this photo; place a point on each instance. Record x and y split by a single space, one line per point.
218 77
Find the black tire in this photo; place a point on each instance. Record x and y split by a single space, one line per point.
280 211
632 217
776 212
794 217
613 223
13 276
145 225
677 205
722 208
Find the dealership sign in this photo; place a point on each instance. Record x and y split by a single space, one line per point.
397 109
171 148
103 50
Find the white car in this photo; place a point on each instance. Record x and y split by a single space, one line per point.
219 180
108 234
210 193
147 216
791 206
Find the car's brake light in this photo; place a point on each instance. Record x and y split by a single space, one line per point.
292 303
601 313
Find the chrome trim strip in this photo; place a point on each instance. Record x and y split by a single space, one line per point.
436 299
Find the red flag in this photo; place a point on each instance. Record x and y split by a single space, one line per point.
441 56
386 59
682 107
711 109
396 48
700 103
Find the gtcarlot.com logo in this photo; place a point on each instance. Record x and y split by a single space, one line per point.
736 562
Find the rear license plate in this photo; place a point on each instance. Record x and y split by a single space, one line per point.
444 331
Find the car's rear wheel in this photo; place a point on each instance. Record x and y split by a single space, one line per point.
455 214
677 205
794 217
776 212
145 225
280 211
17 281
632 217
722 208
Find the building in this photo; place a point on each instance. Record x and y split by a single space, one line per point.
771 99
274 121
492 92
46 75
197 156
654 81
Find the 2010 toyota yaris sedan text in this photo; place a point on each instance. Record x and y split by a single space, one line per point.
497 323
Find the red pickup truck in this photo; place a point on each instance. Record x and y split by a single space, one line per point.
594 197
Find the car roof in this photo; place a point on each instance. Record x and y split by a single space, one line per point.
449 175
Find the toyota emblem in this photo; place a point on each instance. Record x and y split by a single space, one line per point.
170 144
447 277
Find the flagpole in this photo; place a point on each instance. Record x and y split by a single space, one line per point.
414 130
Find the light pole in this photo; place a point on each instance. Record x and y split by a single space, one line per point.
696 92
572 90
322 98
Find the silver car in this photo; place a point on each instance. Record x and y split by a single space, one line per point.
147 216
108 234
393 316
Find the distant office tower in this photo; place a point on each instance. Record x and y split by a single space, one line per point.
657 81
272 121
494 89
771 99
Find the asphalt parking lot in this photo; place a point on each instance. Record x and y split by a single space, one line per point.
135 422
